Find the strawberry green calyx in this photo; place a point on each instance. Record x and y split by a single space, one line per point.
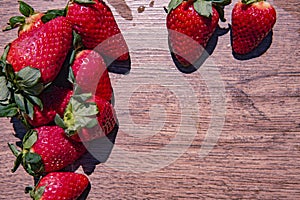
52 14
83 1
35 193
203 7
248 2
174 4
19 91
16 21
80 113
31 161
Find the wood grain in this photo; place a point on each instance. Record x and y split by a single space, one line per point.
257 154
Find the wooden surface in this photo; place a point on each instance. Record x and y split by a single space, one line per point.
231 130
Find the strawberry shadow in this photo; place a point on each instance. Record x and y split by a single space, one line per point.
85 193
258 51
118 67
210 47
99 151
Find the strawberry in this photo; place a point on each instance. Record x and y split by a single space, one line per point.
46 149
45 48
95 23
55 100
87 117
252 20
91 74
26 23
59 185
190 26
106 123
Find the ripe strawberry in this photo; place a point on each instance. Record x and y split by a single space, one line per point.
59 185
29 21
190 26
106 122
252 20
45 48
95 23
55 100
91 74
46 149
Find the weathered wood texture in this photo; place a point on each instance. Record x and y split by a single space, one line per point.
257 154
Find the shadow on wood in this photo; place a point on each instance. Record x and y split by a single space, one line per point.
210 47
258 51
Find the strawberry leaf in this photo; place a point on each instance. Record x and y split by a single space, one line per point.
85 1
9 110
59 121
14 22
174 4
39 193
20 101
33 163
29 139
4 55
247 2
222 2
17 163
52 14
29 76
203 8
35 101
87 122
14 149
5 93
25 9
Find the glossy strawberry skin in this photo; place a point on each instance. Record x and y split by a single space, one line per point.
91 74
189 32
55 101
45 48
106 123
55 148
250 25
96 25
63 185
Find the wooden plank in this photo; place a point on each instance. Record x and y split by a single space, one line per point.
256 156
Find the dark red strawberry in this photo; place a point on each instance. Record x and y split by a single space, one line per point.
91 74
190 26
29 21
60 185
95 23
252 20
46 149
55 100
45 48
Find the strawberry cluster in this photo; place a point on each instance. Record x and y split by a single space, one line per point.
192 23
54 78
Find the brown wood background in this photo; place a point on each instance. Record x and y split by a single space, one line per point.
257 154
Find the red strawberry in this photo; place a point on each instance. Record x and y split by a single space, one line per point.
190 25
91 74
95 23
29 21
45 48
60 185
47 149
55 100
252 20
106 122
